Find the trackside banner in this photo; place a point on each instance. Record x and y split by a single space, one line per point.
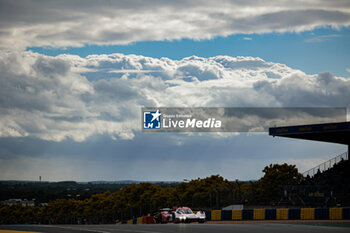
164 119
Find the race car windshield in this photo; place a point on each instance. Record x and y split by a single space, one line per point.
186 211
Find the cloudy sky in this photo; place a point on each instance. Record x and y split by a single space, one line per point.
75 74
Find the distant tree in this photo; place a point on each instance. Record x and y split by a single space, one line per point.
276 177
135 200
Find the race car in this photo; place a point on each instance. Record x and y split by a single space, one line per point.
163 215
185 214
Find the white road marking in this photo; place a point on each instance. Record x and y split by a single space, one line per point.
82 229
137 231
103 230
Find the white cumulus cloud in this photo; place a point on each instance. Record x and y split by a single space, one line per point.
67 96
76 23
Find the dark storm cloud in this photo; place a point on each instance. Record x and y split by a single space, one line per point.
154 157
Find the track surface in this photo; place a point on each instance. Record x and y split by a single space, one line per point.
170 228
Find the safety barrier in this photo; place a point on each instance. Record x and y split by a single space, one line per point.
226 215
247 214
148 220
215 215
208 215
144 219
263 214
151 220
270 214
294 214
259 214
139 220
322 213
282 214
346 213
236 214
335 213
307 213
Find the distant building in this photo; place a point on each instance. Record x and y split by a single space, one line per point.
233 207
24 202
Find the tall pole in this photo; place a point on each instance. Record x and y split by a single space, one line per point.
211 204
239 191
217 198
252 186
232 193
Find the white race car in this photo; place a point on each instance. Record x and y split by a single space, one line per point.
185 214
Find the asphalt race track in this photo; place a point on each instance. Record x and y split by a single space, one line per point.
165 228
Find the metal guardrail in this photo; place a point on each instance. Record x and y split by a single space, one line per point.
326 165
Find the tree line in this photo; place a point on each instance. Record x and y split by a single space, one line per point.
134 200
